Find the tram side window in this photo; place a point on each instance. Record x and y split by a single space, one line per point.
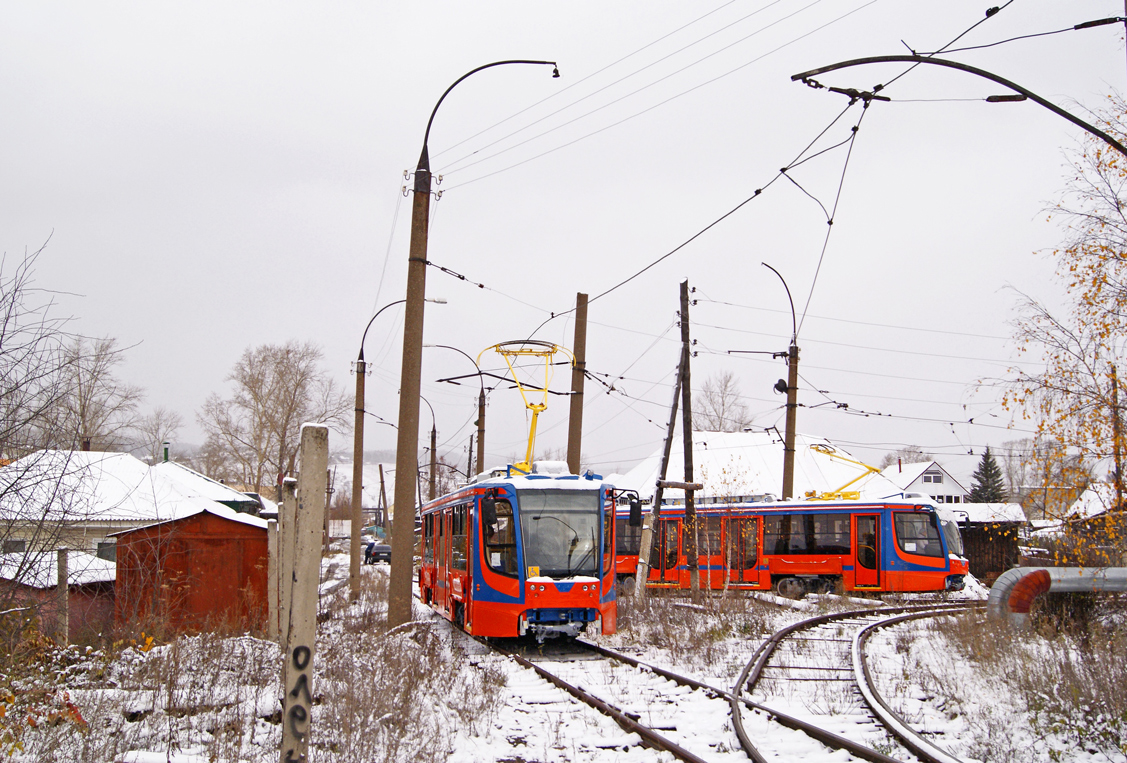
627 539
917 533
501 543
829 533
428 534
458 537
776 534
708 537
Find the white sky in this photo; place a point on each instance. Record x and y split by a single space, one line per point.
219 175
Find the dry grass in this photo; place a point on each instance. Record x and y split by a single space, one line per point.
1066 674
379 696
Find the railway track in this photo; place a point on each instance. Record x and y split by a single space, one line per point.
689 719
819 663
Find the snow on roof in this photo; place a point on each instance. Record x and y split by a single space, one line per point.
1096 499
217 509
751 464
980 513
80 486
193 483
41 569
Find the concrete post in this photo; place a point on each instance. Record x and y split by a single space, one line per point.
792 413
272 628
480 432
311 491
357 483
286 563
62 593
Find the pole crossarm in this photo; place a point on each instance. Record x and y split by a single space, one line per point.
808 79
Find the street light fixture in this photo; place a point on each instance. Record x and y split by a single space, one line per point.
402 536
480 405
358 456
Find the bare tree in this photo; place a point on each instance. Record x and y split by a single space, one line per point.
909 454
277 388
719 406
92 403
154 429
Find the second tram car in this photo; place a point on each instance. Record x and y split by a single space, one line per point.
799 548
510 555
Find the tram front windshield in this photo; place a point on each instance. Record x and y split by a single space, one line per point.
560 530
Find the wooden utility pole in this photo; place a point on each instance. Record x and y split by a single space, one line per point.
649 524
469 460
302 626
481 430
690 539
357 514
578 374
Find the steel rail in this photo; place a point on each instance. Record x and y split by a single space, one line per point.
909 737
655 739
754 668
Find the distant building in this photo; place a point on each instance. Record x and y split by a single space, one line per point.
928 478
990 537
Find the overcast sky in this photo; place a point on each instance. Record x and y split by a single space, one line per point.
215 176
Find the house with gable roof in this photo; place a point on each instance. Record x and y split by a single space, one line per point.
928 478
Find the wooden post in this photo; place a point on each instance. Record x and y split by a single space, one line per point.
302 627
689 541
62 593
469 461
649 524
383 501
578 374
272 590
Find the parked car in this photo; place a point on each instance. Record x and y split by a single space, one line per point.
377 552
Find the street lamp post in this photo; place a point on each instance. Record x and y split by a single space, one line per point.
433 447
358 458
403 524
480 407
792 396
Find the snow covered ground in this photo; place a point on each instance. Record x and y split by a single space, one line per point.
426 693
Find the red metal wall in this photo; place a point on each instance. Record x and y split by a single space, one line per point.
204 571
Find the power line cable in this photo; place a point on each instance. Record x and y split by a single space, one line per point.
661 103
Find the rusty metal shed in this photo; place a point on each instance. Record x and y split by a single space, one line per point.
203 571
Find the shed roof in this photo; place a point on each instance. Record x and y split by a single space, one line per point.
985 513
41 569
1096 499
216 509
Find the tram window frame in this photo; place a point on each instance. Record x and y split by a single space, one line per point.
458 537
709 536
628 539
506 560
907 525
428 539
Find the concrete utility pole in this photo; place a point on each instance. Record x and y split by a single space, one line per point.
649 524
578 375
469 460
357 513
792 413
690 539
302 627
406 453
286 560
272 628
433 459
62 593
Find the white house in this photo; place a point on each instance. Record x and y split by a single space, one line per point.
929 478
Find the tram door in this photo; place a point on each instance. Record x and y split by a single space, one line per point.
741 551
866 542
442 562
663 554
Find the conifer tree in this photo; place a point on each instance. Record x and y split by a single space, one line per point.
989 487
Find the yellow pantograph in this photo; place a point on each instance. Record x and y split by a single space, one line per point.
841 494
546 351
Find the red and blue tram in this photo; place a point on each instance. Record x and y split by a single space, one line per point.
799 548
531 554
